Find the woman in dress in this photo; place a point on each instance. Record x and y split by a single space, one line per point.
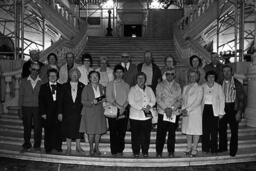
117 95
52 62
192 113
106 73
141 99
69 109
85 68
196 64
93 123
213 109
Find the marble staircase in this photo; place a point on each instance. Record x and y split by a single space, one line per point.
11 139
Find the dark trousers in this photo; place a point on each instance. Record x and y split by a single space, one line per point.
52 134
228 118
140 135
162 128
210 130
31 115
117 128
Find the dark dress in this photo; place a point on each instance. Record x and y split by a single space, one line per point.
71 110
93 120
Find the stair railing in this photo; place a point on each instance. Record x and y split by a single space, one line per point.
11 88
184 46
197 12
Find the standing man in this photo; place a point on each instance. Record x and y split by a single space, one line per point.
234 107
34 57
64 70
28 101
48 96
215 66
130 69
151 70
168 97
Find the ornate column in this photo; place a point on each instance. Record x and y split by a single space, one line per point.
250 112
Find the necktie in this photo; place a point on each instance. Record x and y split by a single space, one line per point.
54 88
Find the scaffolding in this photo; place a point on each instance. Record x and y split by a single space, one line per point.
233 28
26 27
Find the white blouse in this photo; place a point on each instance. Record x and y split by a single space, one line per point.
139 99
96 91
74 90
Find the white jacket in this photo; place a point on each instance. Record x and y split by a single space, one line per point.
139 99
218 100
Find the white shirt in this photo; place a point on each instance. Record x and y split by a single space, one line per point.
74 90
148 70
96 91
55 92
127 65
139 99
208 94
34 82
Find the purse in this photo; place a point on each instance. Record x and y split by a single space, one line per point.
111 111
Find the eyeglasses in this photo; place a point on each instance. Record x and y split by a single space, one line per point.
170 74
34 69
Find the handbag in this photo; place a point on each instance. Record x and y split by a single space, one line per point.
110 111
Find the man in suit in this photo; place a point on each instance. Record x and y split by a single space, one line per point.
34 57
64 70
28 101
215 66
48 97
151 70
234 107
130 69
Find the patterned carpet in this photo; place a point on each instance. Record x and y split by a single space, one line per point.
21 165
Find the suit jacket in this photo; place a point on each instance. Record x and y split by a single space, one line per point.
65 103
240 101
130 75
28 96
46 104
157 75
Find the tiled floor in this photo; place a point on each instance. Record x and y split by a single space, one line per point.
21 165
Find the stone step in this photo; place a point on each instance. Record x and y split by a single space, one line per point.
105 147
180 138
243 155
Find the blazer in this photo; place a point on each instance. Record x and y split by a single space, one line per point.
167 97
157 75
46 104
218 101
65 103
130 75
88 96
28 96
240 101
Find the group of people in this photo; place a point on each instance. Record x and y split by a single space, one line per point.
69 102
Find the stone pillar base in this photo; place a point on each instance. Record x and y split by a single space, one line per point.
250 116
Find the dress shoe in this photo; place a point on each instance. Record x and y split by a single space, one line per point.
158 155
68 152
136 155
145 155
97 152
79 150
171 154
193 153
37 149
